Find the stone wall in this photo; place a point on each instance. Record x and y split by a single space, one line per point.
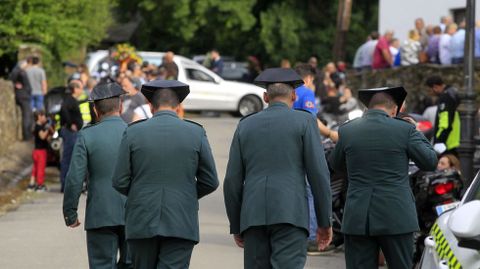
412 78
9 116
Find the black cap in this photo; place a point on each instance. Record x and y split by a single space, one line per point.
181 89
106 90
397 93
278 75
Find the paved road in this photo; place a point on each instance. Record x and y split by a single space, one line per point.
35 236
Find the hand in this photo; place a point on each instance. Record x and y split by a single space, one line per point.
324 237
238 240
76 224
440 148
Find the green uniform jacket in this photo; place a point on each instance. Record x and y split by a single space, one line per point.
271 154
94 155
165 165
375 150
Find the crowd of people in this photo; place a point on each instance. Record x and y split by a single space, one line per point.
438 44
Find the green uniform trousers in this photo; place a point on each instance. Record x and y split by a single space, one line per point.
275 246
161 252
361 252
103 246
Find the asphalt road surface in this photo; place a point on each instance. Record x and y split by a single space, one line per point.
35 236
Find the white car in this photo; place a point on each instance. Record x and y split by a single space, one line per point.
208 91
455 238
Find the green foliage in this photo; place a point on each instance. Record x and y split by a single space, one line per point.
270 29
187 25
62 28
280 31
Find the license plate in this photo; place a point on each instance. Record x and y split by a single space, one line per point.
443 208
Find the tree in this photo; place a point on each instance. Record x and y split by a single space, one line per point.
62 28
268 29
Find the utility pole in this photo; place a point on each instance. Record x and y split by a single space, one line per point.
343 24
467 107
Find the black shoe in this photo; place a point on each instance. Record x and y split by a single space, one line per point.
41 188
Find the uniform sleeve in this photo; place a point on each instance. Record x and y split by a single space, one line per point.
318 175
74 180
337 157
421 151
207 180
122 175
233 185
446 114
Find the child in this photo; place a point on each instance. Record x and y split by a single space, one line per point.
39 155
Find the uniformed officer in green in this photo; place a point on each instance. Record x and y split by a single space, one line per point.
380 211
93 155
271 154
164 166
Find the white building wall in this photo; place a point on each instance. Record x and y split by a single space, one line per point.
400 15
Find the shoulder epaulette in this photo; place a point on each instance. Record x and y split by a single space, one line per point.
348 121
135 122
402 119
244 117
89 125
191 121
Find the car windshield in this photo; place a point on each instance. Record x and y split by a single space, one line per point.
477 194
155 60
474 194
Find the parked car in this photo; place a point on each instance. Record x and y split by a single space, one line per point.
455 237
208 91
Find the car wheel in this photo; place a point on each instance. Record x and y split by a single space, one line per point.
249 104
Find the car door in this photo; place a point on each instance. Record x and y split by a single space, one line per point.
206 91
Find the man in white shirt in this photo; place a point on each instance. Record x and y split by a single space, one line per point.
364 55
444 44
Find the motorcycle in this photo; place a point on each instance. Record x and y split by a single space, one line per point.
338 185
432 190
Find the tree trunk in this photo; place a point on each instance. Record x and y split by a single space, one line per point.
343 24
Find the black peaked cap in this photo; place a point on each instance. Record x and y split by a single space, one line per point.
106 90
278 75
397 93
181 89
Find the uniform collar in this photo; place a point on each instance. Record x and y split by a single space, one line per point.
166 113
376 112
111 118
278 104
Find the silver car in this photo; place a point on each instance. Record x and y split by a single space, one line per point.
455 238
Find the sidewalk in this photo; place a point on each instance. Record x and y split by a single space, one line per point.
35 236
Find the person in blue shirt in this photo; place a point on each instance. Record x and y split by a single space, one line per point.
305 93
457 44
306 101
